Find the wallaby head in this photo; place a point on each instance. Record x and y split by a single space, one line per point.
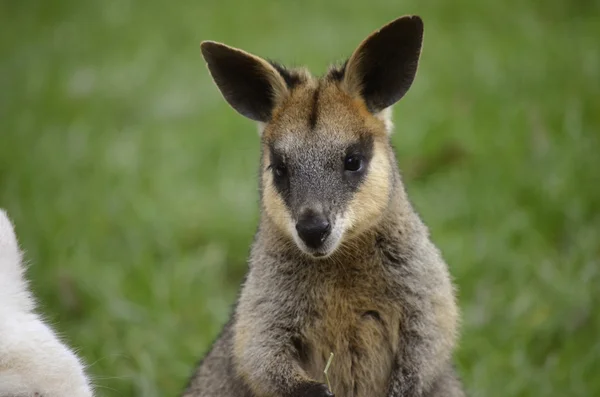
328 168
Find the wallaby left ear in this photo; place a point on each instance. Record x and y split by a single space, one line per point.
383 67
250 84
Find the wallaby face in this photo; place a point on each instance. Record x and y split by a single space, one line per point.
327 166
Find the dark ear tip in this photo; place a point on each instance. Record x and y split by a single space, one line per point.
417 22
206 44
414 21
408 27
414 18
207 47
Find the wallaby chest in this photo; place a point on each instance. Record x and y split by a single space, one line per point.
355 317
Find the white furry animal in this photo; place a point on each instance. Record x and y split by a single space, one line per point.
33 361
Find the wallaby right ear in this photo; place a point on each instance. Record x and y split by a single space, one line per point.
251 85
383 67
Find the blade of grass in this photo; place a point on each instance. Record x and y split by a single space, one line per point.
327 369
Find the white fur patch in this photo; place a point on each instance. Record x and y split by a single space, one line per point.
261 127
386 116
33 360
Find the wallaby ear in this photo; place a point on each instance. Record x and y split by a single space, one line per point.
383 67
251 85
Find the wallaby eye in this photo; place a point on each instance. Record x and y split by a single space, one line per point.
280 170
353 162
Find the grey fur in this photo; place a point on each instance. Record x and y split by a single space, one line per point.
281 295
382 300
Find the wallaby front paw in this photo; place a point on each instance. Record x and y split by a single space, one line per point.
313 389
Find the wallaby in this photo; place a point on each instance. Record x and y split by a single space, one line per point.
341 262
33 360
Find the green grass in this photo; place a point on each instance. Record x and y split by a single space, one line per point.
132 183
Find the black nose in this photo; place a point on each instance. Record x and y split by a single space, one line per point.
313 230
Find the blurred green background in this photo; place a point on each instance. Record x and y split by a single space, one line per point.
133 185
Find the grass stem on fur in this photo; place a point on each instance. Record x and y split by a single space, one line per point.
327 369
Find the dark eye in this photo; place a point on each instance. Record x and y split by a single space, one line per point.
280 170
353 162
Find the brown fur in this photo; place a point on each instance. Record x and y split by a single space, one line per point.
381 299
343 120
